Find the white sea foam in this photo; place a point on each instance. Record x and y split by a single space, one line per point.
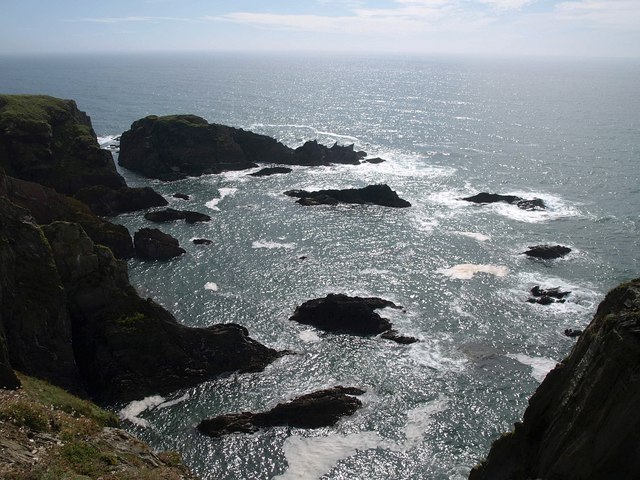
177 401
270 244
309 336
135 408
540 366
476 236
223 192
430 354
211 286
466 271
375 271
109 142
312 457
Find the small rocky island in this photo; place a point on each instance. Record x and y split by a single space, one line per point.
523 203
177 146
354 315
314 410
371 194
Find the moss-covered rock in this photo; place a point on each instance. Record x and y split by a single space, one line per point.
50 141
583 422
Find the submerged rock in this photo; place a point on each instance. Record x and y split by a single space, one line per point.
152 244
547 252
202 241
572 333
371 194
355 315
374 160
267 171
170 214
583 421
315 410
181 196
525 204
547 296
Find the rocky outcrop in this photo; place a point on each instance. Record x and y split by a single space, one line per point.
49 141
170 215
268 171
547 296
152 244
127 347
105 201
583 421
355 315
176 146
46 206
371 194
547 252
318 409
202 241
525 204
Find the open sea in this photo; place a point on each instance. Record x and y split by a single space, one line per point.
565 131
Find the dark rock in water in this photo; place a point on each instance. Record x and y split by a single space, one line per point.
265 172
371 194
355 315
573 333
181 196
51 142
104 201
315 410
544 300
547 252
170 214
555 292
152 244
202 241
302 257
583 420
374 160
314 153
46 206
484 197
176 146
394 336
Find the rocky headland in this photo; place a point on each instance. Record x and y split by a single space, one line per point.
177 146
583 421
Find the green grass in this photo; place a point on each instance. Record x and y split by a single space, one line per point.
23 413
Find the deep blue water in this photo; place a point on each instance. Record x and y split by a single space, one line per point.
566 131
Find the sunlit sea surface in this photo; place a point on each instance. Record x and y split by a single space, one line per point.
566 131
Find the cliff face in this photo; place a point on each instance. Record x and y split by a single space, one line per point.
583 422
49 141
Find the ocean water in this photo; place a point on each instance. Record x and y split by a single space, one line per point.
566 131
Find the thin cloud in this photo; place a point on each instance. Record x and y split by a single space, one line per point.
134 19
610 13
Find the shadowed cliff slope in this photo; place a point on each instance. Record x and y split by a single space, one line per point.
583 422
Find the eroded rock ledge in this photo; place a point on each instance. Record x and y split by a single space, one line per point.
583 420
318 409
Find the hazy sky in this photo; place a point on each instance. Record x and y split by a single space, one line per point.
567 27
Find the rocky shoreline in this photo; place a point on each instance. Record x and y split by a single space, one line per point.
86 329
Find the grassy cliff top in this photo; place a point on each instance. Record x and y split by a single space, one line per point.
47 433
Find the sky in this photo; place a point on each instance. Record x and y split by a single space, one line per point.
602 28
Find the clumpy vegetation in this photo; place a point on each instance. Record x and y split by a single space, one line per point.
48 434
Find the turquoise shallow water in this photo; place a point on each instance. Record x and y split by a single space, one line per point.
567 132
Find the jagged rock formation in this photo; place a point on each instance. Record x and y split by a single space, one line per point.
547 296
523 203
371 194
176 146
268 171
105 201
318 409
583 422
356 315
69 315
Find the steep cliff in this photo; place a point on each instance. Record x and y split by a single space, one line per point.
583 422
